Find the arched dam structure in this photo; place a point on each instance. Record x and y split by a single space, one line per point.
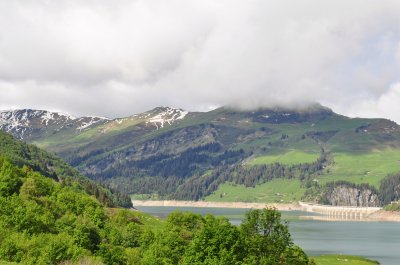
339 212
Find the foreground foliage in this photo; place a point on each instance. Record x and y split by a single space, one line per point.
46 222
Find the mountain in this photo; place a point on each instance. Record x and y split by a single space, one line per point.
265 155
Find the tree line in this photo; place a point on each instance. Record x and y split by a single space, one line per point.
200 180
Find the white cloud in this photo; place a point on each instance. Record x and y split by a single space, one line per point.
398 51
387 105
114 58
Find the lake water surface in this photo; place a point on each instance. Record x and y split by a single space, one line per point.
375 240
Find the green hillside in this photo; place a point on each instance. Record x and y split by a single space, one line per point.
198 156
22 154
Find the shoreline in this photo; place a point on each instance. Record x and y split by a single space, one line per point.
204 204
377 216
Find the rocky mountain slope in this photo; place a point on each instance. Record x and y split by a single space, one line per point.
28 124
222 154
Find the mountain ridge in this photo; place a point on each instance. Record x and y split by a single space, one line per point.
17 121
176 154
28 123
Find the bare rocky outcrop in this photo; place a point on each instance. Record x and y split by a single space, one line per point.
348 194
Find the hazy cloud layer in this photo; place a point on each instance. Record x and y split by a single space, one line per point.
115 58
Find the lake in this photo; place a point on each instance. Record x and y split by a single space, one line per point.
375 240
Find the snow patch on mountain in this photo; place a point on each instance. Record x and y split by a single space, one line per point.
18 122
26 123
30 124
87 122
164 116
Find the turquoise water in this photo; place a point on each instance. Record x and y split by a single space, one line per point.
375 240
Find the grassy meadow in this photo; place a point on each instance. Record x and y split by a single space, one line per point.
370 167
277 190
342 259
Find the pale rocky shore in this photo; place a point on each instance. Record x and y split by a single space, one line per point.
385 216
239 205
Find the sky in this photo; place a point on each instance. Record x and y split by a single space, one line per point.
117 58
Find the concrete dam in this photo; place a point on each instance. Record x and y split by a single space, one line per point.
339 212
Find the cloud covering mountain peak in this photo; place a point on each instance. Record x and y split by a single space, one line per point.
116 58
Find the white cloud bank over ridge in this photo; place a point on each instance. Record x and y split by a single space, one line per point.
387 105
114 58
